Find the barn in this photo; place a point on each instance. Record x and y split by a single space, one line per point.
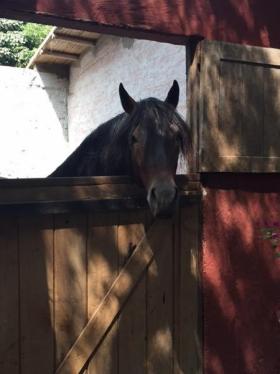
90 283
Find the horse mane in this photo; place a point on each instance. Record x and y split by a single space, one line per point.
106 150
91 156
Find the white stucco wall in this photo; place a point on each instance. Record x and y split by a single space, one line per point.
32 122
145 68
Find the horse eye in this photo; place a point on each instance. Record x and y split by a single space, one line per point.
179 139
133 139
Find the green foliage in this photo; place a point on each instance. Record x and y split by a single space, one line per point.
34 34
19 41
10 25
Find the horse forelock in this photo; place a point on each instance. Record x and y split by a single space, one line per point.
149 112
163 116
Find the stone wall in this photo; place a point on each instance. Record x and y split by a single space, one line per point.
33 122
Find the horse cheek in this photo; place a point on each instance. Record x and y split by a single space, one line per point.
138 164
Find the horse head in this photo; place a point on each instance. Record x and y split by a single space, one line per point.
157 136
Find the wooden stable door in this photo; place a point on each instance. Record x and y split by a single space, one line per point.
109 293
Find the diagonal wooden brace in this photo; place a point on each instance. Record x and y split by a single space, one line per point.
109 309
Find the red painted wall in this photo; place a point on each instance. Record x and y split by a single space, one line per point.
254 22
241 276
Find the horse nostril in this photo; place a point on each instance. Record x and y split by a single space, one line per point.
162 199
163 195
153 193
176 193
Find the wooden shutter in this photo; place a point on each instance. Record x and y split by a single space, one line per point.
235 108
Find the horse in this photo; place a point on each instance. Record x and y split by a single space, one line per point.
143 142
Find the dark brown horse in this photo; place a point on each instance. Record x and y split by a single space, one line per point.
144 142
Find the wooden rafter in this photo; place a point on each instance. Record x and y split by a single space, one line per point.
74 39
63 46
61 55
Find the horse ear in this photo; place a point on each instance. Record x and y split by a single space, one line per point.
127 102
173 95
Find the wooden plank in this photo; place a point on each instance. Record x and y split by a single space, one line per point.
231 112
132 322
160 306
47 59
245 164
60 55
65 47
84 181
176 292
189 351
171 21
113 302
9 296
36 295
271 119
79 33
77 193
244 112
74 39
247 53
240 113
65 194
70 281
73 181
60 193
103 269
193 103
209 134
251 108
37 197
74 206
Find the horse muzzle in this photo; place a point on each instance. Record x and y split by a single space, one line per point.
162 198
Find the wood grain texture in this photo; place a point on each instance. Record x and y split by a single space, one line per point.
64 181
181 180
209 134
239 108
239 22
190 314
81 181
113 302
9 296
103 268
76 294
36 295
271 120
193 84
66 196
79 189
70 292
61 193
160 327
132 322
